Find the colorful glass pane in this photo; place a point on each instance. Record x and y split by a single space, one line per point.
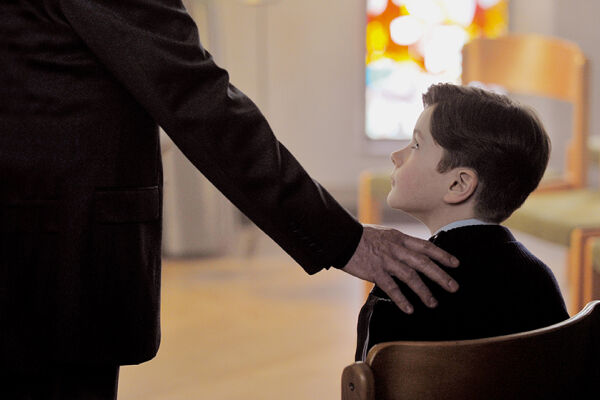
411 44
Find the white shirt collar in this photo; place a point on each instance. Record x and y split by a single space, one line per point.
461 223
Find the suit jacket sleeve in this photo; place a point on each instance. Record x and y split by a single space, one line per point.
152 48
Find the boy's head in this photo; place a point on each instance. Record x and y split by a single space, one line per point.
472 149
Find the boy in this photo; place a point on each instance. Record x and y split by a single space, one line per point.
474 158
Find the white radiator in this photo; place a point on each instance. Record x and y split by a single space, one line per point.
197 219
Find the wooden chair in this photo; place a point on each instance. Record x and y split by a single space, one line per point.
591 268
585 256
557 362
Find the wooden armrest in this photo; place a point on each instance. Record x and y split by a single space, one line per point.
358 382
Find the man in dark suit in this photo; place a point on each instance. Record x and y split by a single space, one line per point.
474 158
84 86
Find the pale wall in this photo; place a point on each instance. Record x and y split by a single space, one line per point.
311 73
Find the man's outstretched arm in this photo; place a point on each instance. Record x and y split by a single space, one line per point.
152 50
383 253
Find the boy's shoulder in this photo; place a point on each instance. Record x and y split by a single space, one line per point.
488 245
492 253
495 271
476 239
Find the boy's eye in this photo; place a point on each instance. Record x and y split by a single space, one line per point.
414 145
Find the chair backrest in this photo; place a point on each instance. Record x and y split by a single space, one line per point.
541 66
548 363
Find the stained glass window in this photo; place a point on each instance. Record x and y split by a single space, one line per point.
411 44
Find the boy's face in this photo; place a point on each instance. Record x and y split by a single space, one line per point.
417 187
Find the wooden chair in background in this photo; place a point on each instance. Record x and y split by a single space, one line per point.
584 251
557 362
586 254
373 188
591 268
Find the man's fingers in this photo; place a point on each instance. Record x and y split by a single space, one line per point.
431 270
387 284
430 250
412 279
384 253
424 265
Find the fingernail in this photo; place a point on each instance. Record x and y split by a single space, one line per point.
408 309
453 286
432 302
454 261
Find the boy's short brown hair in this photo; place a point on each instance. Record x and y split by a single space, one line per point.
503 141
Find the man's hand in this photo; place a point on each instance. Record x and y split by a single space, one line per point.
385 252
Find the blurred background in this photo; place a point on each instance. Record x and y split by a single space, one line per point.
240 319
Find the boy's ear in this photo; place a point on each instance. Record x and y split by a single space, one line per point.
462 186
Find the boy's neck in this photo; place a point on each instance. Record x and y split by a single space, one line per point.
461 223
436 221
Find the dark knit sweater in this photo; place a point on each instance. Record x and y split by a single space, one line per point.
503 289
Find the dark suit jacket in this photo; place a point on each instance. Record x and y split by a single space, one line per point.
503 289
83 85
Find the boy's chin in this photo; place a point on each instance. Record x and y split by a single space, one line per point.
405 208
408 211
395 203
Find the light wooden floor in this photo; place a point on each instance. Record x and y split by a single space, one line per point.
255 326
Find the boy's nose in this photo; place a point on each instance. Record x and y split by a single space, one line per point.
397 158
